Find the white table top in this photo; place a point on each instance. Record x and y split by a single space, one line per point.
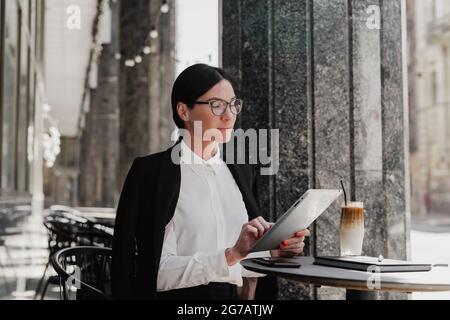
97 213
438 279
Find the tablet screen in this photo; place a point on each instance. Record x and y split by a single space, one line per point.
298 217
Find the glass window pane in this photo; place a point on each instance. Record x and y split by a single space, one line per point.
32 19
9 94
22 113
31 115
32 86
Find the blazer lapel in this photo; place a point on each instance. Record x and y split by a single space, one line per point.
244 180
168 188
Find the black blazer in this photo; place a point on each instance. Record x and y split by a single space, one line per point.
147 203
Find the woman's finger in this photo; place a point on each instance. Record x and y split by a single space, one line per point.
263 222
303 233
293 240
252 230
293 246
255 223
294 251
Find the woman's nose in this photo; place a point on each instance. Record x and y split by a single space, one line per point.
228 115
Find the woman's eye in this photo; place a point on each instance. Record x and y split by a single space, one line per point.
215 104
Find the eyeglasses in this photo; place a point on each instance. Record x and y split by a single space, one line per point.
219 106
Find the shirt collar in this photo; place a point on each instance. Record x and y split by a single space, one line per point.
190 157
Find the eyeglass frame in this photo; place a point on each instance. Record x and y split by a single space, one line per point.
225 110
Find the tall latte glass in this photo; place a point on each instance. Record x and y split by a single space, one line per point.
352 229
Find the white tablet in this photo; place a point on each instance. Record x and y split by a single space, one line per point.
298 217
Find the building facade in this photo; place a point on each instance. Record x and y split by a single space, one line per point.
22 97
429 67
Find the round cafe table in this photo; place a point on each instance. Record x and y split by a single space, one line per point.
105 216
358 284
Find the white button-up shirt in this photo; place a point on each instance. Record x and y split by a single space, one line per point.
208 219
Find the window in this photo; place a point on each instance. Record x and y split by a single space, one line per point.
434 89
433 10
31 91
22 127
10 94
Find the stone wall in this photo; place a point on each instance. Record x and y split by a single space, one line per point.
332 82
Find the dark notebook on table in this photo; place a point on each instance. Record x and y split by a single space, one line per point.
362 263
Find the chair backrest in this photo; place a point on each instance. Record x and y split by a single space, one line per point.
66 230
73 216
94 237
85 272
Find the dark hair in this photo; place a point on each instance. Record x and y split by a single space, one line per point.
192 83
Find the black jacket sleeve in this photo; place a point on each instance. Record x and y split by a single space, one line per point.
255 178
124 244
267 287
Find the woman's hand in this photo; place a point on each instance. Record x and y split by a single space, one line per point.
250 232
293 246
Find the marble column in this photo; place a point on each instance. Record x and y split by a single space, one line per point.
145 110
331 117
108 111
99 153
90 170
162 76
330 76
135 25
270 72
37 165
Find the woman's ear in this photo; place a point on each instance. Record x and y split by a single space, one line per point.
183 111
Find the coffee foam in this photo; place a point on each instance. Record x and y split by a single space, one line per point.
354 204
351 215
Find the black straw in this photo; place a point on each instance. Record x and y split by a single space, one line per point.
345 195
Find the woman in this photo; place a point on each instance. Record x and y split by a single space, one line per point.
184 223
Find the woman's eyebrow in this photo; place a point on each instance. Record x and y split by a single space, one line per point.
217 98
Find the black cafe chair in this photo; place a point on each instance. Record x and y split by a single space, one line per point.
84 272
68 230
60 236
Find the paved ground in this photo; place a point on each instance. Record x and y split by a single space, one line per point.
22 261
430 242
